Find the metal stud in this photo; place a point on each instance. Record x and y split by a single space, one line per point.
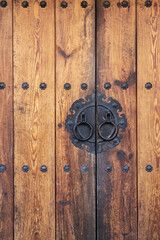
3 4
84 86
64 4
114 105
25 4
2 168
84 4
43 168
84 169
148 3
148 85
124 85
59 125
2 85
43 86
43 4
25 168
25 86
106 4
67 168
149 168
108 169
67 86
124 4
107 86
125 168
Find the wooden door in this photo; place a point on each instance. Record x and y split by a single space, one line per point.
79 129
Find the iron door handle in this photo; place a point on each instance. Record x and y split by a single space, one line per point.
108 122
83 122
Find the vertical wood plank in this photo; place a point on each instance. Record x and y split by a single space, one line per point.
148 119
6 124
34 118
75 64
116 190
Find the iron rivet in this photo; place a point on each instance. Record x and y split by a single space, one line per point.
2 168
84 86
124 85
114 105
67 86
25 86
148 3
43 86
115 140
106 4
84 169
43 4
59 125
125 168
67 168
148 85
25 4
149 168
121 122
124 4
84 4
3 4
25 168
70 123
43 168
108 169
2 85
64 4
107 86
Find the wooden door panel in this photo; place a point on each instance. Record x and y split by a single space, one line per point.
75 65
34 117
116 57
148 61
6 124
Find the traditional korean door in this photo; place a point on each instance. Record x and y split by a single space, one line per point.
79 120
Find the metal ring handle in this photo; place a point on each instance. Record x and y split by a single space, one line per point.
79 136
112 135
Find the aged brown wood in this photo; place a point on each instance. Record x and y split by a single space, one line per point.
6 124
116 190
34 117
148 23
75 64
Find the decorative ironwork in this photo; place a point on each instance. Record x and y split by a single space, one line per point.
81 123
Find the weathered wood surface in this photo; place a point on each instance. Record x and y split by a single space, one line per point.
116 190
148 23
75 64
6 124
34 117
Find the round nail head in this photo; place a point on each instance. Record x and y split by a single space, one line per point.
84 4
148 3
25 4
43 86
106 4
25 168
43 168
148 85
108 169
67 168
25 86
2 85
3 4
107 86
64 4
43 4
149 168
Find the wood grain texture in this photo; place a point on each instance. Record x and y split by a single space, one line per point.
116 190
34 117
6 124
148 22
75 64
